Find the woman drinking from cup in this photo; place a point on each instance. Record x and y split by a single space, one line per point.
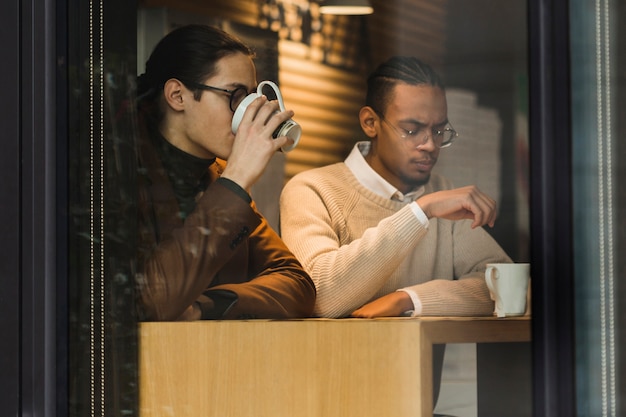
205 252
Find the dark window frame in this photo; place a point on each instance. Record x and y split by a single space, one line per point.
31 247
551 209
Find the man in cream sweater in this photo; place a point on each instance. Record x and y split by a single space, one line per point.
378 233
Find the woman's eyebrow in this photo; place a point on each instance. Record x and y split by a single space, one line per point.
235 84
239 85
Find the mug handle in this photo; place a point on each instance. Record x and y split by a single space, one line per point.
491 284
279 96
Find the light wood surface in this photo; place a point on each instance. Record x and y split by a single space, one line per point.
302 368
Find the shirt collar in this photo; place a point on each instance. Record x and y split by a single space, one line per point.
371 180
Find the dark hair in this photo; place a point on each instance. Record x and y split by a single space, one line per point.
398 69
189 54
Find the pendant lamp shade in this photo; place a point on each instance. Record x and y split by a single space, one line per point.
346 7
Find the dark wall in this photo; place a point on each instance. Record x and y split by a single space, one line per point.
486 52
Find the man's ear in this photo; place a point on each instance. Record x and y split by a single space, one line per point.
173 93
368 119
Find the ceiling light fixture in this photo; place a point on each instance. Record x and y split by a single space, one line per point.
346 7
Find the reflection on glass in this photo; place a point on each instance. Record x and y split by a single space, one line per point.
479 48
598 206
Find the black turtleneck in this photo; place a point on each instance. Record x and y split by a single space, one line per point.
188 174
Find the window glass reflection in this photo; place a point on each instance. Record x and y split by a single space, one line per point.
321 62
597 119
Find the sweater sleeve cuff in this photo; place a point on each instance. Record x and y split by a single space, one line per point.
417 304
235 188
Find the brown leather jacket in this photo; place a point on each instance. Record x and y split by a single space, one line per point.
224 255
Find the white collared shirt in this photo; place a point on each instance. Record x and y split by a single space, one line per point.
371 180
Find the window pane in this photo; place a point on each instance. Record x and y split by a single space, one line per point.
101 235
321 62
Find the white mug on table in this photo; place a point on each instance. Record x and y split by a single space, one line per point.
508 284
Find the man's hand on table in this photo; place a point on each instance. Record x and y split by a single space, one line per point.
390 305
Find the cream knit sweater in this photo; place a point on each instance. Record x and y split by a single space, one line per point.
358 246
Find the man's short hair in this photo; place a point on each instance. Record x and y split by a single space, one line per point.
406 69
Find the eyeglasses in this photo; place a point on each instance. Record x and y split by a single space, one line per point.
417 138
236 95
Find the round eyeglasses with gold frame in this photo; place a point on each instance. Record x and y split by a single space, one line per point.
442 138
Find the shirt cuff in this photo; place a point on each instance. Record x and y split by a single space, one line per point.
235 188
417 304
419 213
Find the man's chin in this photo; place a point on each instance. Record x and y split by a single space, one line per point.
418 182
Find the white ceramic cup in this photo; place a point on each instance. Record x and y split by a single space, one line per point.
508 285
288 128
